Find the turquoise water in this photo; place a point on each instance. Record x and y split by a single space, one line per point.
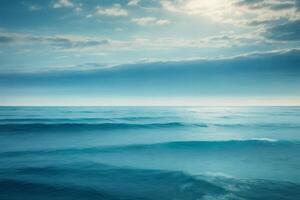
149 153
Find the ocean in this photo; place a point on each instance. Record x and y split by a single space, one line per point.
149 153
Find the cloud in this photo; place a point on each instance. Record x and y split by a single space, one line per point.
259 74
270 10
92 44
59 42
116 11
238 12
248 2
67 4
274 21
218 10
66 43
289 31
297 4
63 4
133 2
267 4
144 21
230 39
279 19
222 40
282 6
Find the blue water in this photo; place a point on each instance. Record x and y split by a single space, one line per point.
175 153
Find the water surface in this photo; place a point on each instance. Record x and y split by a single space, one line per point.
149 153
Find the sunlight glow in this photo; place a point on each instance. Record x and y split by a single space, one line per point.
202 5
216 10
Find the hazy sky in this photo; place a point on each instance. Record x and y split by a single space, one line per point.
102 51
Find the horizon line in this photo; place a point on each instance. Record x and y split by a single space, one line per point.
150 102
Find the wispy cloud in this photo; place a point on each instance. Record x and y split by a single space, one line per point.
133 2
67 4
92 44
275 20
58 41
63 3
116 11
289 31
144 21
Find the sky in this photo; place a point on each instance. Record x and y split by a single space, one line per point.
150 52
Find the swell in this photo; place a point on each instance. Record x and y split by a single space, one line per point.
88 126
193 146
93 181
260 125
106 181
13 189
65 125
26 120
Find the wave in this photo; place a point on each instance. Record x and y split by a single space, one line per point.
259 125
89 126
206 144
85 124
96 181
255 144
12 189
193 146
27 120
50 120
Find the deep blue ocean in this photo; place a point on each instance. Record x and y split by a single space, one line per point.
149 153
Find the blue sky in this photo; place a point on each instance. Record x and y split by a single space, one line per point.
145 49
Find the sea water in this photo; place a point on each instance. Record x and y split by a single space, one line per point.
162 153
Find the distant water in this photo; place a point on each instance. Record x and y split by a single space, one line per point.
147 153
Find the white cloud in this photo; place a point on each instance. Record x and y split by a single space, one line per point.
241 12
133 2
217 10
223 40
116 10
94 44
144 21
67 4
63 3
